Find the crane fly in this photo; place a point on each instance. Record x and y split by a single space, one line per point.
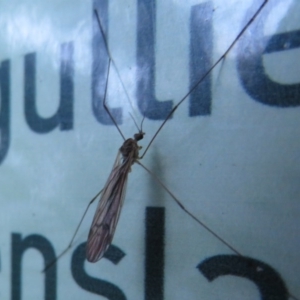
108 210
112 195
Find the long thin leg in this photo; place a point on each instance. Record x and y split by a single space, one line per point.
74 235
116 69
188 212
205 74
178 202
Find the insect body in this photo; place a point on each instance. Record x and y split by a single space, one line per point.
108 211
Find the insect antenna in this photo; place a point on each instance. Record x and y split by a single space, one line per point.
140 129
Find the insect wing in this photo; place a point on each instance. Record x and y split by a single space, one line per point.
108 211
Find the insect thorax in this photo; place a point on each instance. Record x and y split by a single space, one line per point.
130 148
